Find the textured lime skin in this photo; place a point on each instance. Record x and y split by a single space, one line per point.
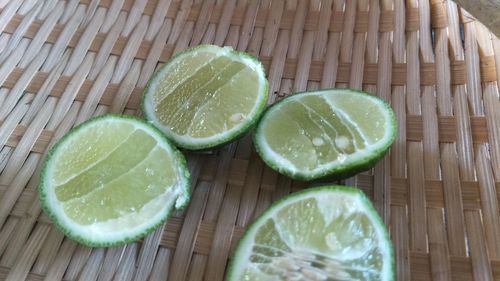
42 190
227 138
340 171
232 275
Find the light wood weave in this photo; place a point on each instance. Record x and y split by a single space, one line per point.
62 62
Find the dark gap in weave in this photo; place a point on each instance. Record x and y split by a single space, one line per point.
433 38
462 33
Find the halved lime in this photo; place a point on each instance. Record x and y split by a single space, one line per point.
206 96
321 233
112 180
333 132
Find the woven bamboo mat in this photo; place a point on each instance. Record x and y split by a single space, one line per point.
62 62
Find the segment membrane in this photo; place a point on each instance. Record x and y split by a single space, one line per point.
122 158
367 115
95 146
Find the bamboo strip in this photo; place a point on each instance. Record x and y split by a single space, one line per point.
277 65
453 201
61 262
400 236
147 254
21 269
182 256
461 109
83 44
17 35
161 266
91 269
219 250
272 26
17 91
417 205
250 190
134 18
154 54
489 202
112 260
480 266
438 246
48 251
224 22
107 45
127 265
63 40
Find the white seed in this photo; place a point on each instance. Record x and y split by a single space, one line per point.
318 141
237 117
342 142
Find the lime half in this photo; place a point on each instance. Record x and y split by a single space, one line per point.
322 233
334 132
206 96
112 180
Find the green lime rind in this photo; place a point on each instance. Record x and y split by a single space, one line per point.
227 137
247 238
180 203
339 171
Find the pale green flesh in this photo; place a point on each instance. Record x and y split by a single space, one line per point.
96 145
300 238
181 70
367 114
121 180
209 100
292 129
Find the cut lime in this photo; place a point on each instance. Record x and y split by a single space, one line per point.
206 96
322 233
334 132
112 180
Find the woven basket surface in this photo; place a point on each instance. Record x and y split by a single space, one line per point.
438 190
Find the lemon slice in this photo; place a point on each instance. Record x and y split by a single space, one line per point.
322 233
206 96
335 133
112 180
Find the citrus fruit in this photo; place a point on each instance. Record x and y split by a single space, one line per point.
321 233
328 133
112 180
206 96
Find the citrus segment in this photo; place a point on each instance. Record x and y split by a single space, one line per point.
335 132
112 180
219 94
324 233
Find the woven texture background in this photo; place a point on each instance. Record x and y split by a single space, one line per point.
62 62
